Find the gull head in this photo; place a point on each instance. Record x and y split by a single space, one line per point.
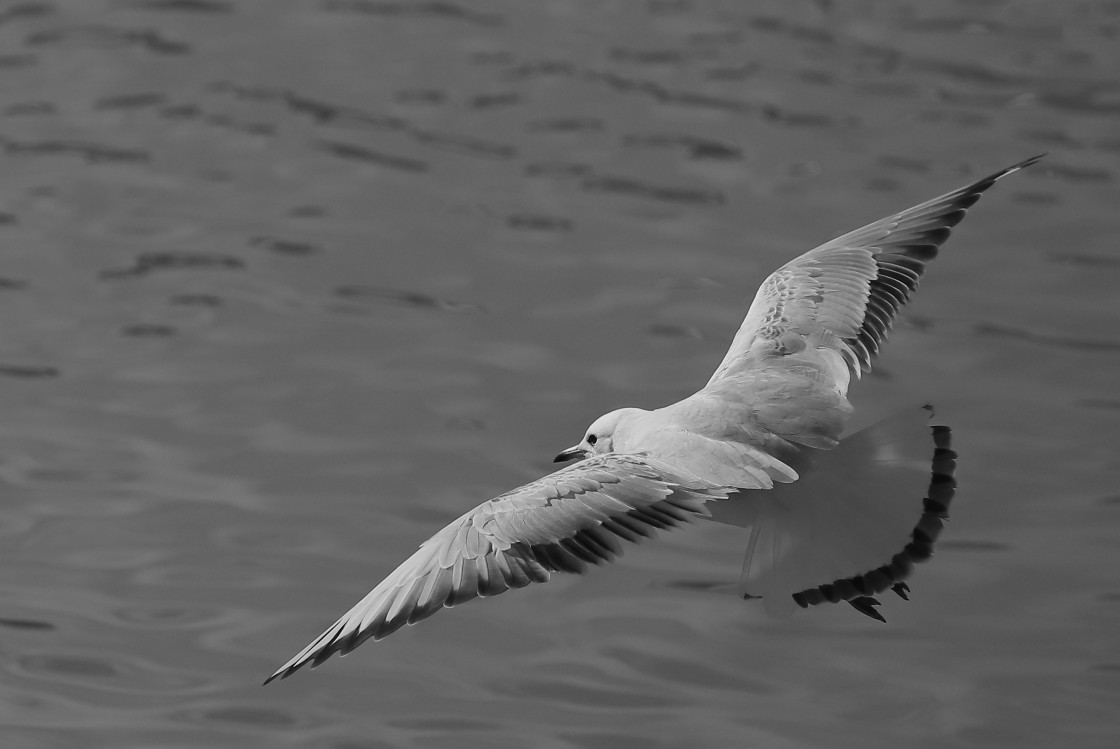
608 433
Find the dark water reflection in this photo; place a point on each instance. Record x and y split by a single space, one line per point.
289 285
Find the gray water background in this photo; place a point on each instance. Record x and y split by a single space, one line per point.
287 286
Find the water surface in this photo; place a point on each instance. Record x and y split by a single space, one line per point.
287 286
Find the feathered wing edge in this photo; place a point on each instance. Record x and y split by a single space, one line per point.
562 523
902 245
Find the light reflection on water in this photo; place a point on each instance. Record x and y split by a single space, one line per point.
289 287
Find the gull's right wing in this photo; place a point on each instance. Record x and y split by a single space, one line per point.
562 522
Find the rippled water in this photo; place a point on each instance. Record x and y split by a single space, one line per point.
289 285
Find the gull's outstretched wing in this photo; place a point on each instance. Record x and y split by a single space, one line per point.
847 291
561 522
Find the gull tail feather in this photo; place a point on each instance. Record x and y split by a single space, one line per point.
856 521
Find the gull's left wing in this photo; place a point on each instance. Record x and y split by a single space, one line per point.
846 293
559 523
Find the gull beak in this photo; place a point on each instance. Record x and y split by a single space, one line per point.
570 453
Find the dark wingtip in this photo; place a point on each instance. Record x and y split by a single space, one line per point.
287 671
1016 167
282 674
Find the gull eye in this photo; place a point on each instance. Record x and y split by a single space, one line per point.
592 439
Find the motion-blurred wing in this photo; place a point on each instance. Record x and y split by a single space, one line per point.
561 522
853 286
856 521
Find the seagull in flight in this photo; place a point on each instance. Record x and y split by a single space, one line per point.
832 516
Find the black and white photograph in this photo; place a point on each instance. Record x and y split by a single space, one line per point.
560 374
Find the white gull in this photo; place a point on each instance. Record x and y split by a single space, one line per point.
845 517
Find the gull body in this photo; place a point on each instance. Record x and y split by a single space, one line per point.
832 516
